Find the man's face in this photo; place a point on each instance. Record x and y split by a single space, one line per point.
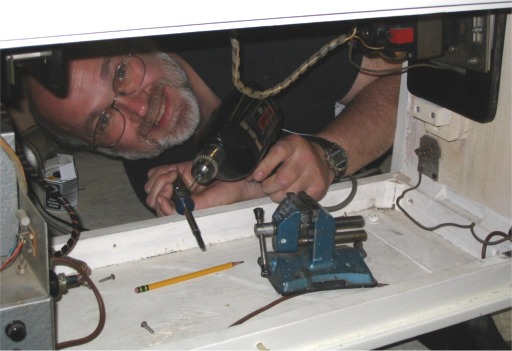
162 113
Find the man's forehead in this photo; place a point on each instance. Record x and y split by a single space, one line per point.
102 67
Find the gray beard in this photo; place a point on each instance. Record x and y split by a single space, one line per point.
184 127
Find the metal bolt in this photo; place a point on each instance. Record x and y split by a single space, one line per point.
111 277
146 326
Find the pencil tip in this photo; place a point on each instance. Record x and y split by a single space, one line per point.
237 263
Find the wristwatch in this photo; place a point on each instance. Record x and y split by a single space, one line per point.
335 156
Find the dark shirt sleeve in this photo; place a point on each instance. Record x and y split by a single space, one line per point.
269 55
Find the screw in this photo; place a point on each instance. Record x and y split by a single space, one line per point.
146 326
110 277
372 218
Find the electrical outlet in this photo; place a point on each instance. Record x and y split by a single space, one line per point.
429 157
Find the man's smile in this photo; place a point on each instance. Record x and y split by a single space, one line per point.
161 112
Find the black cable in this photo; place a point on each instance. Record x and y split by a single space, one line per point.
489 237
470 226
52 191
384 72
349 198
52 216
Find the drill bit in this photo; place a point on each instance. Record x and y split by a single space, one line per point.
185 205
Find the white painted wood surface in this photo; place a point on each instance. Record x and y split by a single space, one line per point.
30 22
479 164
431 282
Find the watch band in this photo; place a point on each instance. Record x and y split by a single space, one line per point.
335 156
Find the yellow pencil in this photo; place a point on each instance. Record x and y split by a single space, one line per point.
181 278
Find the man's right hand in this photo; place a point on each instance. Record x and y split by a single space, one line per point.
159 189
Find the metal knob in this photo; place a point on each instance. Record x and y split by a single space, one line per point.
16 330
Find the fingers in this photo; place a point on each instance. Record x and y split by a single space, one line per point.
223 193
281 151
159 186
159 189
164 207
302 167
155 173
293 164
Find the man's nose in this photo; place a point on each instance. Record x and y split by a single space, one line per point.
134 105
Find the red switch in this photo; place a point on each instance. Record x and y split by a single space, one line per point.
401 35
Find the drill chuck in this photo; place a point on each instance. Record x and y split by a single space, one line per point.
235 138
206 164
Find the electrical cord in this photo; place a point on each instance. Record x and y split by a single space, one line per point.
470 226
54 192
352 178
50 189
20 172
272 304
490 236
22 182
349 198
384 72
52 216
313 59
264 308
67 261
13 254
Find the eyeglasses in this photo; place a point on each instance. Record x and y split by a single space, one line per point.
111 124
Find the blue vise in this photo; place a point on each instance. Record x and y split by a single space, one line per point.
309 254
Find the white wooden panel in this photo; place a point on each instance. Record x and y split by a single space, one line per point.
430 282
28 23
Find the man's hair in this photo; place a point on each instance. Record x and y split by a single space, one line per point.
60 136
86 50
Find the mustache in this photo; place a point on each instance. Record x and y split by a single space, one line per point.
175 77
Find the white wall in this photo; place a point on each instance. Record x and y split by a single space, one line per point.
479 164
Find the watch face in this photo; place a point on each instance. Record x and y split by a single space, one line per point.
337 158
334 155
